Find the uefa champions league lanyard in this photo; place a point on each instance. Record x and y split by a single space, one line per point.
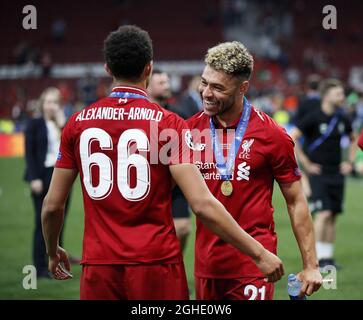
127 95
225 167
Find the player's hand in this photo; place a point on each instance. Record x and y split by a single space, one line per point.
346 168
271 266
59 265
313 169
312 281
36 186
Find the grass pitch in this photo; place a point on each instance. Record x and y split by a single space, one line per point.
17 221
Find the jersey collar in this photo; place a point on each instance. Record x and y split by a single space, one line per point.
131 89
233 125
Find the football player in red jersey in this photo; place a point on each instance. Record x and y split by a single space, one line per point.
130 249
240 151
360 140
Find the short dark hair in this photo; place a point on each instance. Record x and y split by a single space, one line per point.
313 81
327 84
157 71
127 51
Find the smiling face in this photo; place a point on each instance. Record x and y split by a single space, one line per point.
220 91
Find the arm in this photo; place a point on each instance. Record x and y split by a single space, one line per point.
53 217
213 214
309 167
302 227
360 140
353 147
347 166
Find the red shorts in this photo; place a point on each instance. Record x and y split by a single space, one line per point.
134 282
233 289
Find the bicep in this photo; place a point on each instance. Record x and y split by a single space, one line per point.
292 192
190 181
61 184
296 134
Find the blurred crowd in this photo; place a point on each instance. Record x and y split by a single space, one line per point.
282 101
275 95
74 96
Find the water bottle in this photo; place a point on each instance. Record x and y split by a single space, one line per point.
294 287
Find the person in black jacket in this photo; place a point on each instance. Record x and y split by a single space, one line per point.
159 91
308 103
191 102
311 100
42 139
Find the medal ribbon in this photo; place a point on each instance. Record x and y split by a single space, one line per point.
127 95
225 167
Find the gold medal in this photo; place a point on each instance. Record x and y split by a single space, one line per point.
227 188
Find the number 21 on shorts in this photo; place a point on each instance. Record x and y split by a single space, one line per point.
252 292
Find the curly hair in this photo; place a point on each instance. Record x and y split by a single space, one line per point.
232 58
127 51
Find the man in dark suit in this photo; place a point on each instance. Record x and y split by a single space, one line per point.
191 103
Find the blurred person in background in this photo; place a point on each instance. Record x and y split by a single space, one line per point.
308 102
42 140
279 114
321 158
46 64
59 29
191 103
159 90
311 100
87 89
67 96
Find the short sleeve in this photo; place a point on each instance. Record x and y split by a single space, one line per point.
348 126
281 156
180 137
305 124
66 157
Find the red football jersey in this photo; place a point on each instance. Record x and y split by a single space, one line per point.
123 161
360 140
266 154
